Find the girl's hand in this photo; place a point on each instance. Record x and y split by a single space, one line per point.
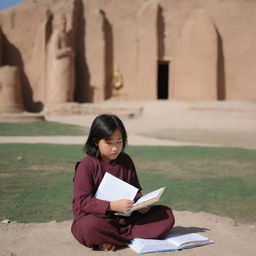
144 210
123 205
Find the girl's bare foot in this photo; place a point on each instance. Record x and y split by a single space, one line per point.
107 247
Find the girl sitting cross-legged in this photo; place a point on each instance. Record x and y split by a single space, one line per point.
95 222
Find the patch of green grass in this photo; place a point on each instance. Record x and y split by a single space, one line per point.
42 128
36 179
215 180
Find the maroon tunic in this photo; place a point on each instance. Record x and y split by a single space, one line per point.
94 225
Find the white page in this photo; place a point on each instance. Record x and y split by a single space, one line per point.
151 245
112 188
170 243
149 196
179 239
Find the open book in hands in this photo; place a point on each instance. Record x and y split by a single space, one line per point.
172 242
149 199
112 189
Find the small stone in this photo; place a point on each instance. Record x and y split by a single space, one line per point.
233 223
5 221
19 158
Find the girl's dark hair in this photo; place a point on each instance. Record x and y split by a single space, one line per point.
103 127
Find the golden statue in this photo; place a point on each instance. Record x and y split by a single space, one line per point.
117 82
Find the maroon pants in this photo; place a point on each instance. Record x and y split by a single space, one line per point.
91 230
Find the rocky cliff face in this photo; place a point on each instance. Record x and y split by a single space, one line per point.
208 48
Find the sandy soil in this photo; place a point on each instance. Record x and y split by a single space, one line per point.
55 239
234 239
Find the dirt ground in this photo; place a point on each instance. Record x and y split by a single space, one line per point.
231 238
55 239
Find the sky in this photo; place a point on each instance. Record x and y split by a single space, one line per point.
4 4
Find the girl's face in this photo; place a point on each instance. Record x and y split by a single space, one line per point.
111 147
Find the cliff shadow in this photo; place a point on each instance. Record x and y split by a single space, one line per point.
221 79
83 91
12 57
160 33
109 45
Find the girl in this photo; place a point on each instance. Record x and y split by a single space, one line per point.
95 223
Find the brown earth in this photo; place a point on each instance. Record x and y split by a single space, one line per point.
55 239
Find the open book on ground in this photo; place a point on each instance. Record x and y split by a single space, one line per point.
172 242
112 189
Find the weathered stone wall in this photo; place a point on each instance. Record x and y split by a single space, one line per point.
194 69
209 44
10 93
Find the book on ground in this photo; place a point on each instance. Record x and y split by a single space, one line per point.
112 189
172 242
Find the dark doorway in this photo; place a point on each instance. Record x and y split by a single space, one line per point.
162 80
